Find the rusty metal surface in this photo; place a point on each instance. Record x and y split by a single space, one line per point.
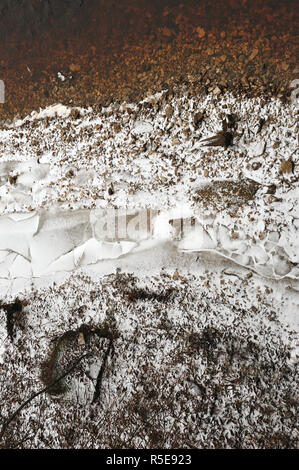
123 49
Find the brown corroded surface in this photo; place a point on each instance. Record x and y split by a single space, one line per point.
121 50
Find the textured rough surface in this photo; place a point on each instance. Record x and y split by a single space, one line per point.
149 223
198 362
121 50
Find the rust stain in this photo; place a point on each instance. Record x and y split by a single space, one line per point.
122 49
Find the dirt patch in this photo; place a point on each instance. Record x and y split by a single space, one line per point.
67 349
107 51
13 312
227 194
